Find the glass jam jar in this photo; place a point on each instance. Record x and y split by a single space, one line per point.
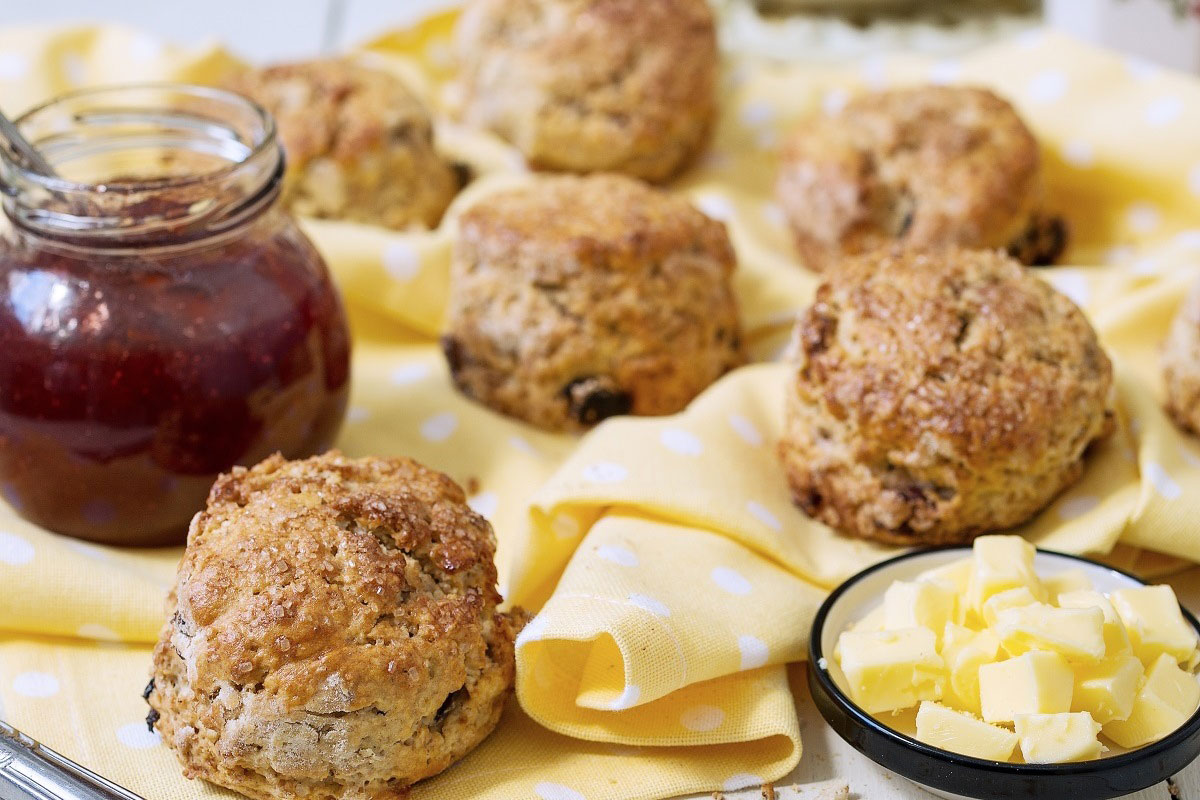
161 317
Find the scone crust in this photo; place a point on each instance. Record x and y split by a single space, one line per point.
359 144
925 167
577 298
592 85
1181 363
332 632
939 396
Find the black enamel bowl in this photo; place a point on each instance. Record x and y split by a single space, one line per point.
956 776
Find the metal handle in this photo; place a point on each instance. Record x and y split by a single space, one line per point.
31 771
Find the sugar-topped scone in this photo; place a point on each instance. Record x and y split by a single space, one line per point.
1181 363
574 299
332 632
924 167
359 144
937 396
592 85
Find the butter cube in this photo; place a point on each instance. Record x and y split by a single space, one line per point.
1116 638
1166 700
918 604
964 652
1107 690
873 621
1076 633
1058 738
1010 598
1034 683
1071 580
954 576
891 670
1000 563
1155 624
960 732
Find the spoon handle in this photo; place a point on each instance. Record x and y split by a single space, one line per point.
31 771
25 151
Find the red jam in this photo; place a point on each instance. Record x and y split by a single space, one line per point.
188 326
127 384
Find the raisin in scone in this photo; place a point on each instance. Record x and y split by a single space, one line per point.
937 396
592 85
574 299
1181 363
924 167
359 144
332 632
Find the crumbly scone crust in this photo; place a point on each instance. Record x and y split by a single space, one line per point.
1181 363
333 632
359 144
939 396
927 167
576 298
592 85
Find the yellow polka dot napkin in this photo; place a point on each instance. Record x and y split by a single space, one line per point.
675 578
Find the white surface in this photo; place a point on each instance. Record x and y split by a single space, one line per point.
1147 29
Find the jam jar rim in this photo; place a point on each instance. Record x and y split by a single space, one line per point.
266 140
262 143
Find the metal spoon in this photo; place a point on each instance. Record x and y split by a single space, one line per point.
31 771
24 150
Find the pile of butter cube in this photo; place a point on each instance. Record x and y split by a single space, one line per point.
996 657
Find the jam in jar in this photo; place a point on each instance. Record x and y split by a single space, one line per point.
162 319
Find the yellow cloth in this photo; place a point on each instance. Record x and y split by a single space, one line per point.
676 577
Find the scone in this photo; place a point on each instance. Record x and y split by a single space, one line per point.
359 145
592 85
940 395
924 167
578 298
1181 363
333 632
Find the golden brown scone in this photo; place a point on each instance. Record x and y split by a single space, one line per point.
359 145
592 85
939 396
574 299
333 632
1181 363
925 167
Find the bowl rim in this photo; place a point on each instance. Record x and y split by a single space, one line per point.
1079 768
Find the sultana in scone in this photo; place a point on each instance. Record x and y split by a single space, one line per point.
332 632
359 144
925 167
938 396
592 85
574 299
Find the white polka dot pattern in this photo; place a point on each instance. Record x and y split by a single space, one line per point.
649 604
702 718
35 684
764 515
754 651
439 427
401 261
15 551
621 556
137 736
605 472
731 580
682 442
556 791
